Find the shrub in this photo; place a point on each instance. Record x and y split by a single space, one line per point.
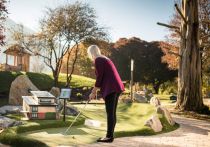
6 79
50 115
168 87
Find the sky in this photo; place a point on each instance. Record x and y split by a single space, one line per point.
123 18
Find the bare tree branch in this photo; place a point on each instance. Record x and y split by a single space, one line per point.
179 11
168 26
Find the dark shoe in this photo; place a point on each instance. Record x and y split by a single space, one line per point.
108 140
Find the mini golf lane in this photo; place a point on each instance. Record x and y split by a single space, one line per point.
76 135
85 135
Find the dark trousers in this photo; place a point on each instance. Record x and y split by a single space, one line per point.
111 105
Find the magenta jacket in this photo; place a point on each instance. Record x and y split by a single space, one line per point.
107 77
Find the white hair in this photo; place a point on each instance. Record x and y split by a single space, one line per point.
93 51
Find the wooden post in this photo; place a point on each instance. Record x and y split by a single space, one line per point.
64 111
6 59
15 58
131 83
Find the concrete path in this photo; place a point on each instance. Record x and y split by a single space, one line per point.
192 133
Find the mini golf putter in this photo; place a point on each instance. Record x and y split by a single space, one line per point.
88 122
75 118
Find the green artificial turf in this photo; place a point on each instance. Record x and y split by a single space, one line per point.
131 120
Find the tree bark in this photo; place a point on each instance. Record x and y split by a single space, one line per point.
189 75
55 76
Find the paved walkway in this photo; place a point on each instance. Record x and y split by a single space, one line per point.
192 133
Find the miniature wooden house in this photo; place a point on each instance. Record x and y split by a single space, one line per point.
21 58
41 105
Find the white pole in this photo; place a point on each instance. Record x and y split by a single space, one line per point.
131 84
132 61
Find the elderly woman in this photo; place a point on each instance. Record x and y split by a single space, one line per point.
110 85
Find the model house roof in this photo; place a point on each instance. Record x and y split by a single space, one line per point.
29 100
42 94
16 49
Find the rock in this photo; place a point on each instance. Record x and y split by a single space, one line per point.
71 110
126 100
7 122
1 130
10 109
155 101
55 91
19 88
2 112
139 98
60 104
162 110
154 123
18 123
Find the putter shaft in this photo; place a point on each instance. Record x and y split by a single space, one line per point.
76 117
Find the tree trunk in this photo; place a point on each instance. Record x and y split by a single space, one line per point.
69 75
67 70
55 76
73 65
156 88
189 76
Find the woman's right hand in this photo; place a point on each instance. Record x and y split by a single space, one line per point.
92 96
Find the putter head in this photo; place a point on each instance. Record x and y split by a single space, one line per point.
92 123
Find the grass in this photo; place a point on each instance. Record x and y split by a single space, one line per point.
77 81
164 98
131 119
42 81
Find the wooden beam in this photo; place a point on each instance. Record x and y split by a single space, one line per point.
180 13
168 26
